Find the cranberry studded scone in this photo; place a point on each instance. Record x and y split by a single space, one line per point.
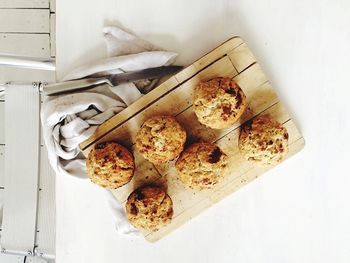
149 208
219 102
263 140
160 139
110 165
201 166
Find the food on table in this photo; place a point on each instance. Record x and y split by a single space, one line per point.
263 140
219 102
160 139
201 165
149 208
110 165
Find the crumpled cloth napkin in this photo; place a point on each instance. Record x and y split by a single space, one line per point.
70 119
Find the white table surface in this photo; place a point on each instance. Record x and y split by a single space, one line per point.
300 211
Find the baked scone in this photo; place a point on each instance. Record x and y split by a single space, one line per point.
160 139
149 208
263 140
201 165
219 102
110 165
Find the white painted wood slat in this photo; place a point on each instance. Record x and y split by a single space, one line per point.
2 122
31 45
1 208
22 124
45 240
53 6
24 20
2 166
25 75
37 260
24 3
2 127
11 258
53 34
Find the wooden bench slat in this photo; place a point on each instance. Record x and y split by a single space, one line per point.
31 45
46 234
2 122
53 35
24 4
25 20
21 170
2 165
12 74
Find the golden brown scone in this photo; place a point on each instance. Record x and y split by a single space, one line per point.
264 140
110 165
219 102
149 208
160 139
201 165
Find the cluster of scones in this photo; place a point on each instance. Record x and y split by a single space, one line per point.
218 104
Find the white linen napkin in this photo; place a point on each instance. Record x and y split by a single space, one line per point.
70 119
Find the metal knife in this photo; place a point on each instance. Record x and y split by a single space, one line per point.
112 80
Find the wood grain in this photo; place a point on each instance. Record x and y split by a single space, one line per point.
160 91
234 59
173 103
250 174
241 57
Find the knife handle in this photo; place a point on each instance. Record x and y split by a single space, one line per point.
72 85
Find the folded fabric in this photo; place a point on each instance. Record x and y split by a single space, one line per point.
70 119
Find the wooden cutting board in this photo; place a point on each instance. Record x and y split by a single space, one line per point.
233 59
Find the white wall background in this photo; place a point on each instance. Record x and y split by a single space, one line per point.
300 211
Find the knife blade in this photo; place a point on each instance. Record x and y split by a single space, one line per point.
112 80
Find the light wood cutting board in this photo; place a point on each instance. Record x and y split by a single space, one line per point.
233 59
